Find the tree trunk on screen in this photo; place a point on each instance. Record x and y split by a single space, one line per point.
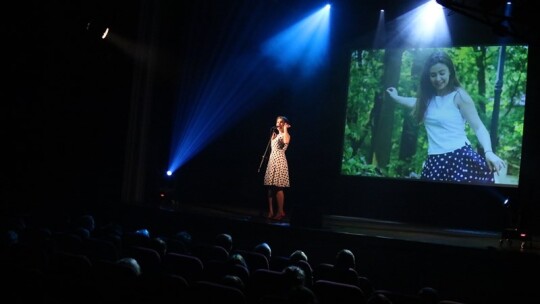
384 123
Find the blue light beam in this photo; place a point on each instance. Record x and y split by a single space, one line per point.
234 83
303 46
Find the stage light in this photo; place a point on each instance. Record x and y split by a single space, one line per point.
97 29
380 35
169 173
105 33
423 26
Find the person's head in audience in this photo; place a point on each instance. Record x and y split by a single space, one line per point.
294 276
233 281
9 238
137 237
85 221
237 259
181 242
143 233
131 264
298 255
176 246
264 249
428 295
111 232
379 298
224 240
158 244
345 259
82 232
113 229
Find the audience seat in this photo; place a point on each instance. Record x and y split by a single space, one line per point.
187 266
212 292
329 292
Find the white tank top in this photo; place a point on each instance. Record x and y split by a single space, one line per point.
444 125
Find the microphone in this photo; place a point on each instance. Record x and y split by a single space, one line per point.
273 128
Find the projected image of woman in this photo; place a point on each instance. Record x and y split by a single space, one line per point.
276 177
445 107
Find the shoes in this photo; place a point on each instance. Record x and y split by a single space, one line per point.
269 216
279 217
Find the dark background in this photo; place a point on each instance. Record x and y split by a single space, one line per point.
86 122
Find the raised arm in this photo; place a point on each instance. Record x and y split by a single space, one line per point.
286 135
406 101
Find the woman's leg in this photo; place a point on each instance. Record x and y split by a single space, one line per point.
280 201
270 197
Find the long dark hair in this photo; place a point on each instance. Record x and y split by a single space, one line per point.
285 119
427 91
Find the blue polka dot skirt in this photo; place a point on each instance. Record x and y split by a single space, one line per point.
463 165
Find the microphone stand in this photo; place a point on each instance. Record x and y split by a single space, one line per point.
266 150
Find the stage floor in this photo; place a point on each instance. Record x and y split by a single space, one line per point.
373 228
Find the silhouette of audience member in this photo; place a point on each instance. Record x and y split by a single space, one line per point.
85 221
131 264
345 267
238 259
299 258
138 237
233 281
12 230
264 249
215 270
345 259
428 295
378 298
224 240
117 282
82 232
298 255
9 238
111 232
343 271
180 242
295 278
158 244
143 232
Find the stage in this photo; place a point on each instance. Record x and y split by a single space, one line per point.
357 226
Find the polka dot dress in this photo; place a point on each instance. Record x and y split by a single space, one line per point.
277 170
461 165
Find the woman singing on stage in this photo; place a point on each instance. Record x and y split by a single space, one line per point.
276 177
